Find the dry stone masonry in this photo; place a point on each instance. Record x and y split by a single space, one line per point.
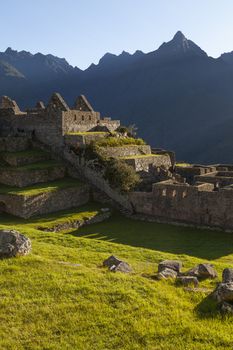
169 192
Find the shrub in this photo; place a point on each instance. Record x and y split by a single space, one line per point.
120 175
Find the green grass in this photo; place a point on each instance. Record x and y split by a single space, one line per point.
183 164
139 156
119 141
46 304
40 187
48 164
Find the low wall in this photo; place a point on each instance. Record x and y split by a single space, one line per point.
80 140
22 178
144 163
125 151
197 205
19 160
44 203
222 178
13 144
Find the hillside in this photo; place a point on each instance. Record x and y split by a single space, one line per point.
59 296
179 97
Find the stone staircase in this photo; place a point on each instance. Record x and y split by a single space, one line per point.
32 183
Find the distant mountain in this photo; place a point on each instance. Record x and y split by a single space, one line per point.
178 96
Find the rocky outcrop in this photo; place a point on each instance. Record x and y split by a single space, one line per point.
13 243
116 265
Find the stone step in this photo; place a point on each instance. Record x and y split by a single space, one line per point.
43 198
24 157
14 144
32 174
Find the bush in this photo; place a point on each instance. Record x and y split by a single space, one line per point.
120 175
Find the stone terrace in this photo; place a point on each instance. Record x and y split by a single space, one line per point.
31 183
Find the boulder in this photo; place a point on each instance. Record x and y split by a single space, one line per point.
187 280
202 271
13 243
115 265
226 307
227 275
166 273
224 292
170 264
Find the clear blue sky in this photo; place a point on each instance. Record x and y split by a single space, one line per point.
82 31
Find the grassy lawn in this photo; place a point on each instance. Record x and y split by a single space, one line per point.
40 187
47 302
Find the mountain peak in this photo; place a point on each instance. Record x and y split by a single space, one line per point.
180 46
179 36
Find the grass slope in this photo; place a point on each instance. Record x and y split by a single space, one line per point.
46 304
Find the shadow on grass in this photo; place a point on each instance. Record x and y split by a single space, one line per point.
208 308
204 244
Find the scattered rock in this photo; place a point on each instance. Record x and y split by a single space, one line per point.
187 280
13 243
170 264
114 264
226 307
166 273
202 271
227 275
224 292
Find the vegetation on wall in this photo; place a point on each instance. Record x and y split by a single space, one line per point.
119 141
119 175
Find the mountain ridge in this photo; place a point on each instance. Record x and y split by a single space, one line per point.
179 97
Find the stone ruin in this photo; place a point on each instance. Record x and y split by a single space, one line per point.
170 192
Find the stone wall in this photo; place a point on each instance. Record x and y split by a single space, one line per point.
44 203
19 160
145 163
181 203
23 177
222 178
125 151
79 121
109 124
13 144
80 140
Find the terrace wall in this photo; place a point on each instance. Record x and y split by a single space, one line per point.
197 205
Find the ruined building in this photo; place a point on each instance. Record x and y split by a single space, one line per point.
37 152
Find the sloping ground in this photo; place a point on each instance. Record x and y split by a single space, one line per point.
49 302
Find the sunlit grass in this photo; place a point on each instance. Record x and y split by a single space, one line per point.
46 304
